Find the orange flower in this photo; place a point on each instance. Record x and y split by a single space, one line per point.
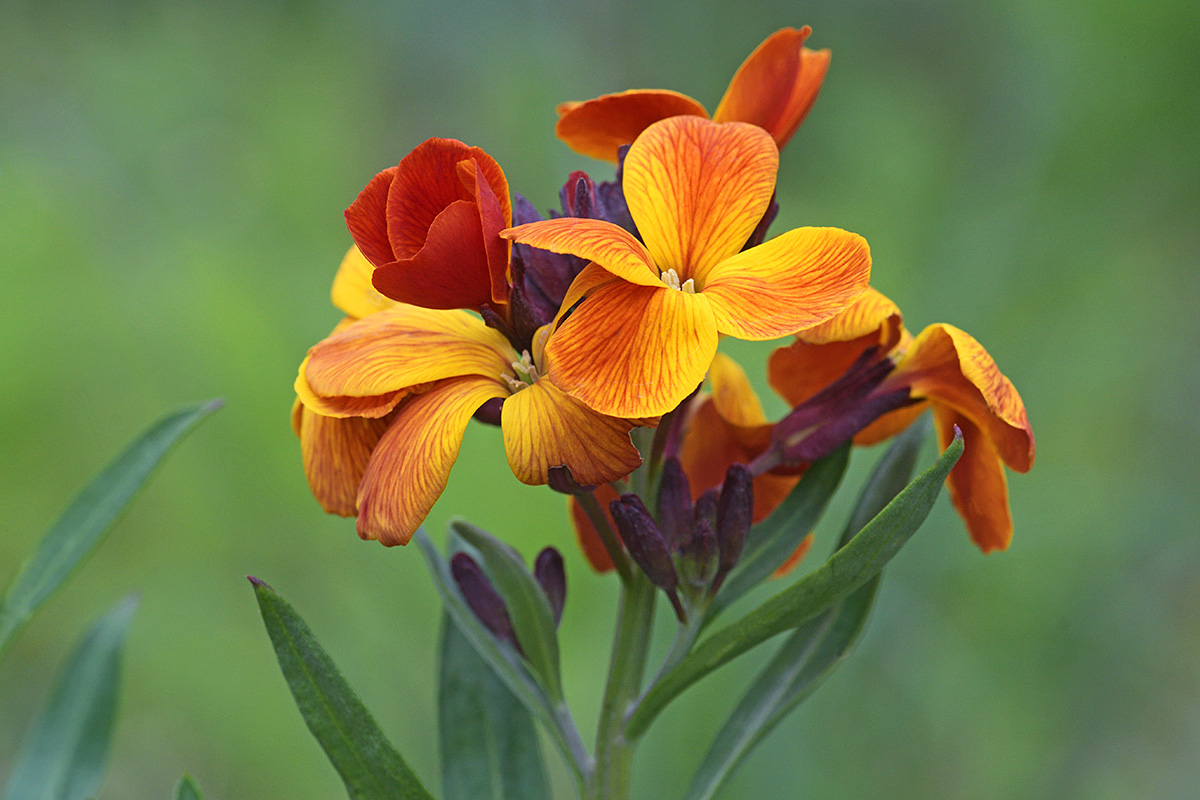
952 373
774 89
646 330
385 400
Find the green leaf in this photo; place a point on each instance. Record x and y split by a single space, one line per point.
187 789
489 746
63 755
849 568
369 766
772 541
528 607
816 648
84 523
505 663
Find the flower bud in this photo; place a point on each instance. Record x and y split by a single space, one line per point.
645 542
674 503
561 480
735 510
489 412
552 576
698 557
706 508
483 599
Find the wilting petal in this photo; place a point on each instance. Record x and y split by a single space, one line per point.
352 290
367 219
633 351
335 454
585 533
951 368
800 370
872 312
410 466
977 484
776 86
400 348
598 127
696 190
794 281
544 428
606 244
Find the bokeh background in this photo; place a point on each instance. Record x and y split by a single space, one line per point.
172 177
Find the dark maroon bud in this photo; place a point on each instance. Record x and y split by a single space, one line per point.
827 438
645 542
489 412
698 558
706 508
855 384
552 575
562 481
485 602
735 511
674 503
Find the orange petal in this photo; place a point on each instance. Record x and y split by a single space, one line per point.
800 370
367 218
585 533
633 351
950 367
598 127
794 281
410 466
399 348
977 484
352 290
335 454
606 244
872 312
732 393
889 424
697 189
776 85
495 214
544 428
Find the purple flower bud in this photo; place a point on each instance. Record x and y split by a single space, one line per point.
674 503
735 510
489 412
552 576
562 481
706 508
645 542
698 557
483 599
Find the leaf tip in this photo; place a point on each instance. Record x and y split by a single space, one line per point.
257 583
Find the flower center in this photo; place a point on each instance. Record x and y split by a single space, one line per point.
526 373
671 279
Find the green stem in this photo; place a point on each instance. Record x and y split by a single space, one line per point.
613 775
599 520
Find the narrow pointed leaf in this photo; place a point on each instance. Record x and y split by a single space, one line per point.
528 607
369 765
818 646
848 569
187 789
84 523
772 541
489 745
64 752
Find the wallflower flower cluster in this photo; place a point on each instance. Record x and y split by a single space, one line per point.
571 332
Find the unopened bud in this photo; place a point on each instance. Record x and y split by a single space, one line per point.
645 542
489 412
735 511
552 576
698 558
483 599
674 503
561 480
706 508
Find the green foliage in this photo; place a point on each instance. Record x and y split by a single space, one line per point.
370 767
489 745
187 789
64 752
83 525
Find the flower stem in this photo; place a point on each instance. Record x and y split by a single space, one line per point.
591 506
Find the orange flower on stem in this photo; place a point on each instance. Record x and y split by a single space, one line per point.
644 319
774 89
385 401
945 369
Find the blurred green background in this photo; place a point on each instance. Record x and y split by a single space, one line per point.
172 177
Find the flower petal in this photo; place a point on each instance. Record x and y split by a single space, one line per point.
776 85
400 348
585 533
352 290
598 127
800 370
633 351
544 428
872 312
732 393
606 244
335 453
950 367
977 484
697 189
495 214
794 281
367 218
409 468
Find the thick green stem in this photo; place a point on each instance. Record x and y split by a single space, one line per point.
613 775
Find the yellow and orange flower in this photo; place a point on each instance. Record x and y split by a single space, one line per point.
646 330
953 374
384 402
774 89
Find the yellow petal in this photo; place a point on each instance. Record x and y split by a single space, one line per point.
697 189
606 244
352 290
544 428
335 453
410 466
732 394
791 282
871 313
977 484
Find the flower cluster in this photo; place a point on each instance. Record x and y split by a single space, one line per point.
571 332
